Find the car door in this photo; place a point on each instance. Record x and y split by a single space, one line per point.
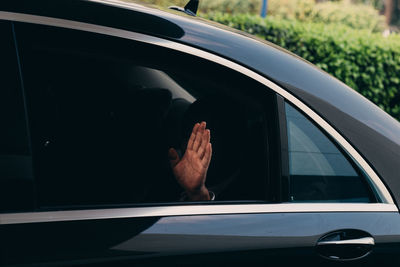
94 221
99 109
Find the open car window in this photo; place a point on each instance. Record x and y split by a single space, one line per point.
104 111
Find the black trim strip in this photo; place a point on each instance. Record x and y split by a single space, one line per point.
284 151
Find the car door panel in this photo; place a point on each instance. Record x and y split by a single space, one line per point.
281 238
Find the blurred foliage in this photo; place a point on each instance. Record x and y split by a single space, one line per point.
230 6
209 6
291 9
377 4
363 60
358 16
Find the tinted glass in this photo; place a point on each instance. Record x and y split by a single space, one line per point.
104 111
318 169
16 185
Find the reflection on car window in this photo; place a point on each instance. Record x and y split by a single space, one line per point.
104 112
318 169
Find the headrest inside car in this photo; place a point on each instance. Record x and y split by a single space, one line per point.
225 119
153 100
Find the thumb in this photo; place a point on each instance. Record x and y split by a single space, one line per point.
173 157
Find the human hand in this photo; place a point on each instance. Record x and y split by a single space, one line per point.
191 170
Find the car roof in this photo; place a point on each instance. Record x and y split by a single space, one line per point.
372 132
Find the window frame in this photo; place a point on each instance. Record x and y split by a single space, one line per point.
387 201
19 164
284 186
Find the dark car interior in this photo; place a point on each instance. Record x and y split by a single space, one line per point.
102 123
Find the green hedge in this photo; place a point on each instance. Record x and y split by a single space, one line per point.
230 6
363 60
357 16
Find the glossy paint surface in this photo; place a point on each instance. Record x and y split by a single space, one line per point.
254 238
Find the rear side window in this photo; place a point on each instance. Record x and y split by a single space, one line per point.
16 184
104 112
318 169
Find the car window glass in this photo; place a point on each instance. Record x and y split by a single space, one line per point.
16 185
318 170
104 112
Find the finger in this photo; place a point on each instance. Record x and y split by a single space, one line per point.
199 136
173 157
204 143
207 157
193 136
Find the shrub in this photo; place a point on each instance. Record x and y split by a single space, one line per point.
291 9
357 16
365 61
230 6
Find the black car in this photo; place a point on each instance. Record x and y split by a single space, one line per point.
305 170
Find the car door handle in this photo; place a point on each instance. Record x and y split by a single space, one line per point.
344 245
358 241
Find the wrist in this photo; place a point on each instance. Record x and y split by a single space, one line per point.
201 194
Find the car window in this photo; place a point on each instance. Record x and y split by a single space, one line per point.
16 184
104 112
318 169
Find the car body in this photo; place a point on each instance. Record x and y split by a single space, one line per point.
324 158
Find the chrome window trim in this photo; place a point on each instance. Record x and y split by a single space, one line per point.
190 210
378 185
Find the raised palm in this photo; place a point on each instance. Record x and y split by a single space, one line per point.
191 170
